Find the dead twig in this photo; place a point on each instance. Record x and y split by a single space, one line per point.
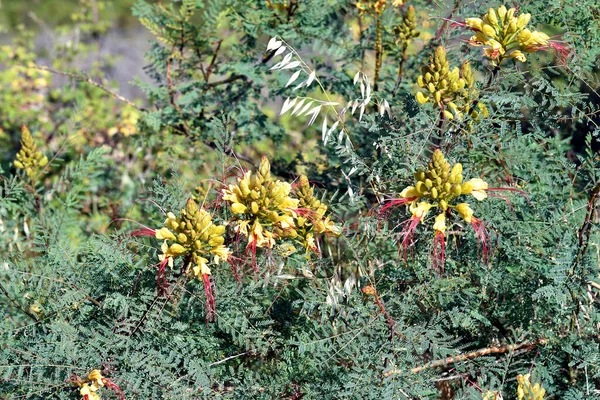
470 356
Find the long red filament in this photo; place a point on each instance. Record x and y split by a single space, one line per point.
211 309
482 236
439 246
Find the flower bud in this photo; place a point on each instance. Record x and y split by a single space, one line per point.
492 18
164 234
238 208
421 98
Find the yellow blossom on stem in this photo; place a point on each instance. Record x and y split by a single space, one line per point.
525 391
263 208
193 236
29 158
440 186
310 217
505 35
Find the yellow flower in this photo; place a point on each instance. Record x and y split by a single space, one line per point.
96 378
505 35
527 392
440 223
479 186
86 390
465 212
409 192
420 210
201 267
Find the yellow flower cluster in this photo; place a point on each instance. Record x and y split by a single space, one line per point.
505 35
376 6
525 391
407 29
267 210
29 158
309 217
262 206
88 387
192 234
439 187
128 124
452 91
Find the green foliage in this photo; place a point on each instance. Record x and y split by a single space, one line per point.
358 319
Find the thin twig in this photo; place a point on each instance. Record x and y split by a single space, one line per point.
229 358
214 58
17 304
88 80
469 356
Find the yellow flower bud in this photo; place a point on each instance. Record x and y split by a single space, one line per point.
238 208
409 192
488 30
474 23
164 233
502 13
523 20
421 98
176 250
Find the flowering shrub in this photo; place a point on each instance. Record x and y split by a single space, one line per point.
310 200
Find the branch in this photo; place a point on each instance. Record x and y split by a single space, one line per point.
88 80
225 81
469 356
584 231
17 304
214 58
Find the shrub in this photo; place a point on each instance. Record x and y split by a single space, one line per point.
424 223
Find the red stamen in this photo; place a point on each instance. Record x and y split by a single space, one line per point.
114 387
408 232
439 246
482 235
211 310
390 205
143 232
508 190
161 281
252 247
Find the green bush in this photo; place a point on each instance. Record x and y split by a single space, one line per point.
424 223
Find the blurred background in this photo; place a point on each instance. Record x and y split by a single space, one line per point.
115 34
